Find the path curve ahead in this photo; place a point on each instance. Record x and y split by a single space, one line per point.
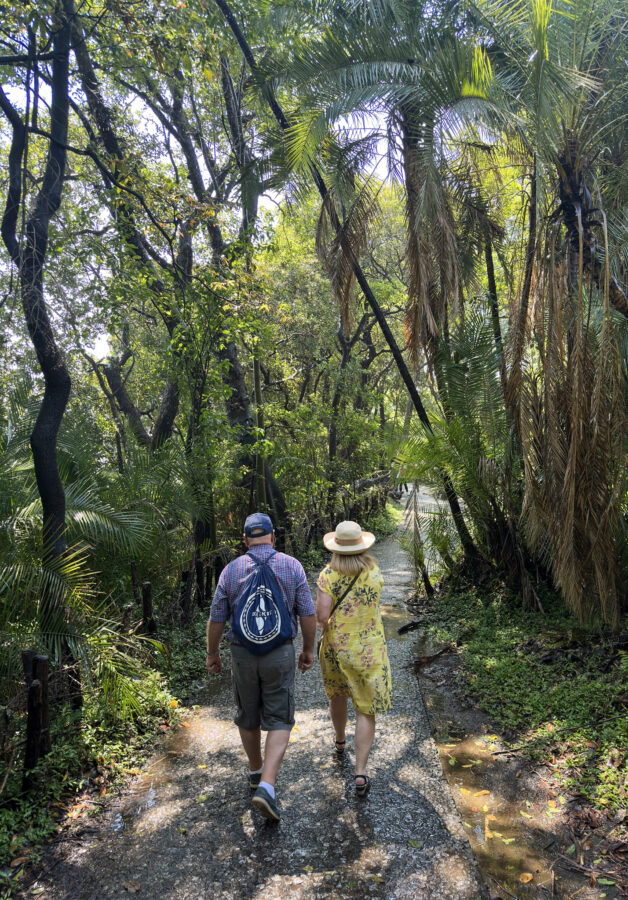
187 829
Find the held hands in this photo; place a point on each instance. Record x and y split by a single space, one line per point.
213 663
306 660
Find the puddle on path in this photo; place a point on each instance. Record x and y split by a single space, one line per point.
393 618
504 848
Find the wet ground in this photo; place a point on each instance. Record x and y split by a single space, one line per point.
519 821
186 828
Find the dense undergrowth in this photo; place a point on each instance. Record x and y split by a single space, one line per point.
556 690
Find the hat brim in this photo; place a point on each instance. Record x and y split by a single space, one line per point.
365 543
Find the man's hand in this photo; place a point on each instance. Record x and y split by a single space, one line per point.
306 660
213 663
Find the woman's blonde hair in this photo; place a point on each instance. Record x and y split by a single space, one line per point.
352 564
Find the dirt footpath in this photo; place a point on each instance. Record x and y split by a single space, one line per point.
186 829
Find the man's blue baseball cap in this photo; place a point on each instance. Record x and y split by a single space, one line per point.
257 525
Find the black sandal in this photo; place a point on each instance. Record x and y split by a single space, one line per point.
339 747
362 789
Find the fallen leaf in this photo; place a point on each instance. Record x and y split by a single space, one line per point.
102 792
452 760
377 879
465 791
508 840
417 844
518 773
201 767
605 881
202 798
185 724
18 861
551 804
308 868
571 849
485 808
525 877
481 793
467 766
524 814
133 887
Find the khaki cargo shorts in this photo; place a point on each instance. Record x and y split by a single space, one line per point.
263 688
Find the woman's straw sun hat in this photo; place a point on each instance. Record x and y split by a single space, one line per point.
348 538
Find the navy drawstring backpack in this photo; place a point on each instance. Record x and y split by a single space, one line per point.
260 620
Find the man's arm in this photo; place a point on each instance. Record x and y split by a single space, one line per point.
308 630
214 633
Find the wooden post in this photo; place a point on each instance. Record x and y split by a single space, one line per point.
27 664
127 614
148 623
40 674
200 580
185 595
33 733
134 582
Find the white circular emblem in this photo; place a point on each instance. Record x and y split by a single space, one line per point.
259 619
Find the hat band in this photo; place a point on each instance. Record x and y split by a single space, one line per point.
345 542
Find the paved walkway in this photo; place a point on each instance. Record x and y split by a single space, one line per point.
187 830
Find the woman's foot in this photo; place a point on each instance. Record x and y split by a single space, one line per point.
362 785
339 747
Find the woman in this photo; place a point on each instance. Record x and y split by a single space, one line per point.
353 657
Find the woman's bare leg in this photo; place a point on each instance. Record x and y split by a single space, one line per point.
364 734
338 713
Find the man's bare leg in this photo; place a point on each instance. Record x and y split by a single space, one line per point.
276 743
252 743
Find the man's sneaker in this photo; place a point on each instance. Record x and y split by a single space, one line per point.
254 780
264 804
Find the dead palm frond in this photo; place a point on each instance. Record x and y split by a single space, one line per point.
573 439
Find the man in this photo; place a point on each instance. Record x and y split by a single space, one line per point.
263 684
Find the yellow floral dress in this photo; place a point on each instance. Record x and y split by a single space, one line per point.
353 655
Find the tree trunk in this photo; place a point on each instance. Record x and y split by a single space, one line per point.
492 295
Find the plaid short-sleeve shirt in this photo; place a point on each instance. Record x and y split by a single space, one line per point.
287 570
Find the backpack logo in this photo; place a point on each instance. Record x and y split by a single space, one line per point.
260 619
